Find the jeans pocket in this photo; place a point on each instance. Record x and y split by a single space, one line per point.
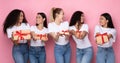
90 49
100 50
58 49
111 50
31 50
43 49
77 51
16 48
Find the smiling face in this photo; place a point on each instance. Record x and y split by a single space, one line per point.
39 19
82 18
103 21
20 18
60 15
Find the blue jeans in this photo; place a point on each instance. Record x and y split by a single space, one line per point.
105 55
37 54
84 55
62 53
20 53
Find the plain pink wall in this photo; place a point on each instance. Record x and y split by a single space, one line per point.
91 8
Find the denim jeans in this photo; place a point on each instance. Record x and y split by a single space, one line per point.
84 55
62 53
37 54
105 55
20 53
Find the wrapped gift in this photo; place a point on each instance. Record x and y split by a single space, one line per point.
64 32
21 35
78 33
101 38
42 37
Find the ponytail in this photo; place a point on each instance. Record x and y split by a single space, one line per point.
51 14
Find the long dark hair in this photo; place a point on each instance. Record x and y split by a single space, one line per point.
12 19
76 18
43 16
109 18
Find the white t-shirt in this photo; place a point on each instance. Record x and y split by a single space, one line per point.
81 43
53 27
101 30
37 31
23 26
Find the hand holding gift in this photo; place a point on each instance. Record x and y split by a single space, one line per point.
64 32
21 35
42 37
102 38
77 34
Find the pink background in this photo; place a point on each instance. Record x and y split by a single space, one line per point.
91 8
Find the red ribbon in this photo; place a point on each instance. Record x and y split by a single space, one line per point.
78 32
65 31
20 34
42 35
102 37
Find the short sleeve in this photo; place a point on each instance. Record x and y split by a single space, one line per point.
113 32
66 24
96 30
46 30
9 33
32 28
28 26
70 28
50 27
85 28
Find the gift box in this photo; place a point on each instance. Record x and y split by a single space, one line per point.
78 33
64 32
21 35
101 38
42 37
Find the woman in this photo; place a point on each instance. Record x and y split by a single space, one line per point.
105 53
80 32
37 45
62 50
16 21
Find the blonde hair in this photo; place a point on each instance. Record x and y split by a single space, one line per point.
53 13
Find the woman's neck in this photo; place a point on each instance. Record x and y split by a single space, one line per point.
57 21
40 26
78 26
104 26
18 24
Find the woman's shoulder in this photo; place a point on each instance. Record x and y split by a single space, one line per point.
112 29
65 22
25 24
51 23
85 24
33 26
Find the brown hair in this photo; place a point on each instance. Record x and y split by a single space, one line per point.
53 13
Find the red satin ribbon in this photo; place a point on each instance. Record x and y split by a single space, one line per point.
65 31
42 35
77 31
20 35
102 37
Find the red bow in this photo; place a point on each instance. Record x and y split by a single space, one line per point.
20 34
78 31
104 34
42 35
65 31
